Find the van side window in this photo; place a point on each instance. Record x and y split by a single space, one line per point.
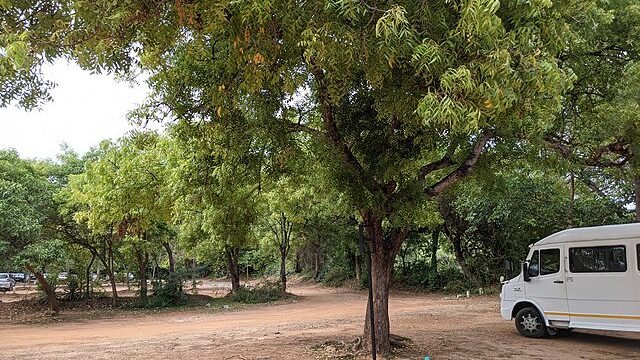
598 259
534 265
549 261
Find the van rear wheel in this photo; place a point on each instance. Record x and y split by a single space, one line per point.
530 323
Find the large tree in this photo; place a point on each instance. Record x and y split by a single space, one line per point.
26 204
216 176
597 129
121 199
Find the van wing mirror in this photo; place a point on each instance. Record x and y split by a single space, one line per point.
525 271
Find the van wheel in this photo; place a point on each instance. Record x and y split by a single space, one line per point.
530 323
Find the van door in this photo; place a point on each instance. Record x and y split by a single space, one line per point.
637 278
547 285
600 286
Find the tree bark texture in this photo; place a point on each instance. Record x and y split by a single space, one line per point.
234 270
88 277
384 249
143 259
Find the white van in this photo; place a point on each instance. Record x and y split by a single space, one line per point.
585 278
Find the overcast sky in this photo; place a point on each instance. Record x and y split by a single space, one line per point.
85 110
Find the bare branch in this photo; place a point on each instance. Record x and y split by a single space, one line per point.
332 133
618 147
463 169
444 162
298 127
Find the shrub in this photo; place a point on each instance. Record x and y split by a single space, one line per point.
263 293
52 280
420 273
337 275
72 288
167 290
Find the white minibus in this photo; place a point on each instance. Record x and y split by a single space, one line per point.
583 278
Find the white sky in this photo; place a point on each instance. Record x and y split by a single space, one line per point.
85 109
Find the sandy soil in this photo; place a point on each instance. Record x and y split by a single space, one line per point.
314 327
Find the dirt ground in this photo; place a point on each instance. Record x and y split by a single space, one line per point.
321 324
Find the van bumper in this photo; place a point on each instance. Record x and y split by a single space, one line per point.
506 307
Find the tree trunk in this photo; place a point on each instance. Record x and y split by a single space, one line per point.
172 264
234 270
357 266
126 278
88 288
284 245
572 197
154 269
403 261
283 270
194 283
109 267
435 237
383 254
316 266
298 267
51 295
114 291
143 259
457 251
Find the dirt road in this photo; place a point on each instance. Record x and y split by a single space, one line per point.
441 328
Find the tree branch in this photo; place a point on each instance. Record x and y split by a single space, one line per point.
618 147
444 162
332 133
465 168
298 127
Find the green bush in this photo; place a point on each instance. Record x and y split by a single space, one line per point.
52 280
421 274
263 293
337 275
72 288
167 290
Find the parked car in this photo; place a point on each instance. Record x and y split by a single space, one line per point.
584 278
63 275
19 277
6 282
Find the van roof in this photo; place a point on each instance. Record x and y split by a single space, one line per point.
594 233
